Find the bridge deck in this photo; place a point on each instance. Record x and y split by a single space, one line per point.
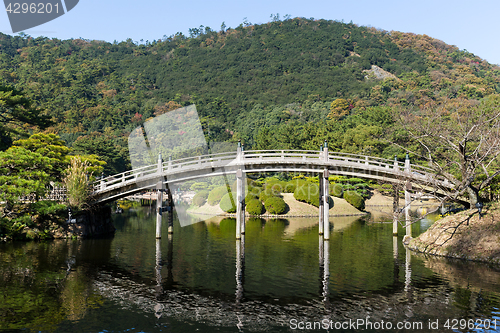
132 181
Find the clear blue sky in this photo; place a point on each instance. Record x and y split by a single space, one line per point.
472 25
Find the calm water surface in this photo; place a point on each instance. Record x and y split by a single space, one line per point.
281 278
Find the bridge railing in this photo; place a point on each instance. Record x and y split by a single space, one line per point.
219 159
120 179
281 154
417 171
173 167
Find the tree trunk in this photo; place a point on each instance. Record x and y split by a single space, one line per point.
473 197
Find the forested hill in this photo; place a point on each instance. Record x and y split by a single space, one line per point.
282 75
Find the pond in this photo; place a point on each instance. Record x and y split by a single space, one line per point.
282 277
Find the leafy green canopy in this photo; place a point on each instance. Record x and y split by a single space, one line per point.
16 111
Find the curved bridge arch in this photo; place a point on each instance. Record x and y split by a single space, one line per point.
124 184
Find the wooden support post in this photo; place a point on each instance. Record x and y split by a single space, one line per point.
395 209
159 197
159 200
160 165
321 206
326 206
396 163
240 217
325 155
407 208
171 212
242 201
238 151
407 197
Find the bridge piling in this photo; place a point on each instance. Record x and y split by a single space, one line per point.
159 200
407 197
170 212
240 201
407 208
321 206
395 209
326 203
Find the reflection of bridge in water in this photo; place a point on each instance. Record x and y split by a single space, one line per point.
239 163
166 301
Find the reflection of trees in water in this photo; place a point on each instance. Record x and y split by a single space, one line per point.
43 284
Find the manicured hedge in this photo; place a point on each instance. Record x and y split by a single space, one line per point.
337 190
216 195
291 185
275 205
254 207
251 196
228 203
200 198
307 192
355 199
269 192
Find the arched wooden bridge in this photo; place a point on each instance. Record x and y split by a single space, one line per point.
254 161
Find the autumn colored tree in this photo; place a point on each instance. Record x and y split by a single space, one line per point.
169 106
340 108
460 140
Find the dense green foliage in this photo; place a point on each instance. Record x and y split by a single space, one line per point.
215 196
275 205
307 192
200 198
16 114
251 195
269 191
272 85
337 190
355 199
254 207
228 203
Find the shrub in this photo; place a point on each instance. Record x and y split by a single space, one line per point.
251 196
268 193
355 180
348 187
255 190
355 199
337 190
275 205
276 184
198 186
291 185
254 207
228 203
200 198
216 195
307 192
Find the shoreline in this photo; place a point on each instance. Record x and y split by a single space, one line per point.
463 236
